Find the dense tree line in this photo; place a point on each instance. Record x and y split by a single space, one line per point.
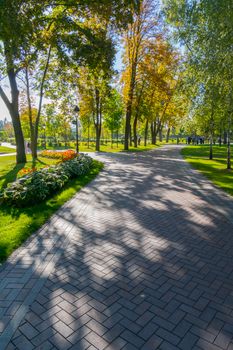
204 28
57 54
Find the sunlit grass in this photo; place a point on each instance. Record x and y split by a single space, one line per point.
9 169
4 149
17 224
215 170
107 147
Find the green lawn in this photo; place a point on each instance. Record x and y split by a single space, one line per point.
83 147
215 170
4 149
9 170
17 224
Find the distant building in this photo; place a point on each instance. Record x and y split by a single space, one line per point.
3 123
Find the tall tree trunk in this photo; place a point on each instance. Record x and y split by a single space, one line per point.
211 145
111 139
97 143
153 132
98 119
129 106
211 148
36 128
156 127
20 147
137 108
160 130
13 108
45 143
117 137
32 129
88 134
211 133
130 137
146 132
100 122
229 142
127 128
224 137
220 138
135 137
168 134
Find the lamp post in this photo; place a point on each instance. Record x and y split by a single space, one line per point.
159 122
44 128
211 137
76 110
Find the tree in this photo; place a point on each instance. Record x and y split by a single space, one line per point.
205 29
113 112
16 34
25 120
94 89
157 87
144 25
24 35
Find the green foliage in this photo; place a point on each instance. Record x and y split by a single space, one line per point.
205 29
113 111
38 185
17 224
9 170
6 150
36 35
214 170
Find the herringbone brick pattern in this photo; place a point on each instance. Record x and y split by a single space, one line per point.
142 258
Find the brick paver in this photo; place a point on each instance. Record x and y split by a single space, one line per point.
142 258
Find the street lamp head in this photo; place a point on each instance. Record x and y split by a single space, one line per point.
76 109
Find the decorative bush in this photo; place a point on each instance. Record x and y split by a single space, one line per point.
38 185
65 155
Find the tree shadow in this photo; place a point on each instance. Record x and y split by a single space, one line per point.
140 259
38 160
3 251
11 175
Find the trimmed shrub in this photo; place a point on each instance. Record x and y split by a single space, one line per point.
39 185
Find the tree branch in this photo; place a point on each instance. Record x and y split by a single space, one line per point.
5 98
42 83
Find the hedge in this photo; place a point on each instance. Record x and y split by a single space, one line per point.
40 184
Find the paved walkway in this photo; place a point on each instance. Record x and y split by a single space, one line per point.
7 144
7 154
142 258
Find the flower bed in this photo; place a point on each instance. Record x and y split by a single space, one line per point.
26 171
64 155
38 185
